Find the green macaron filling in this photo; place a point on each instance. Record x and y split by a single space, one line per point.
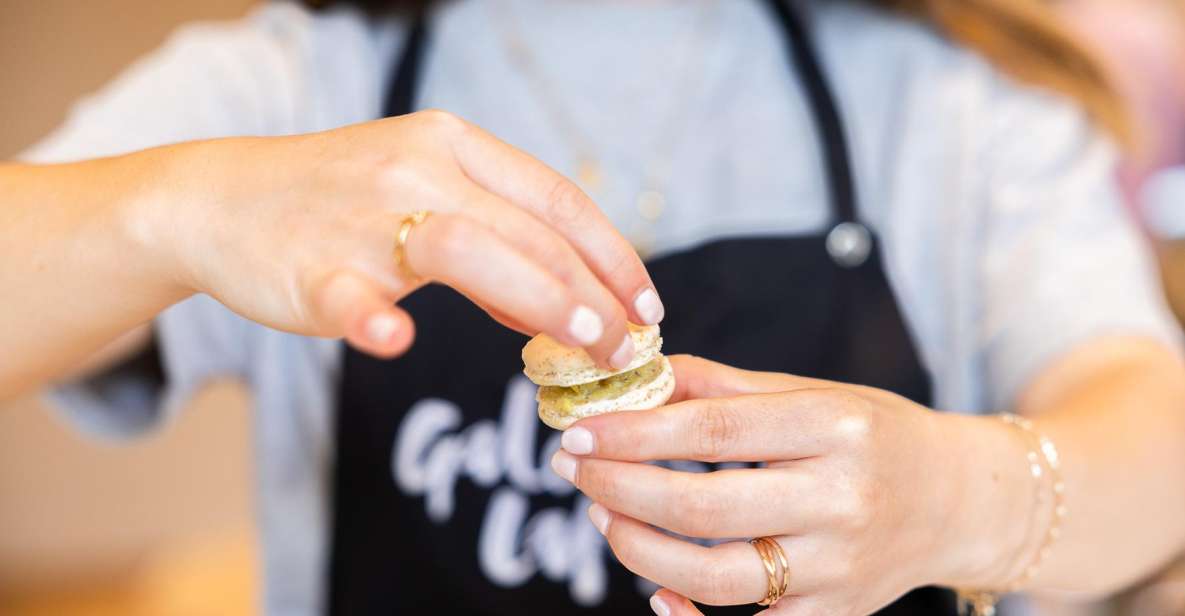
566 398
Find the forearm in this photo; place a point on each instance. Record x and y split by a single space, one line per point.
1122 440
1117 416
79 265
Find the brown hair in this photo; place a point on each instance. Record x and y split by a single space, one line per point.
1024 39
1021 37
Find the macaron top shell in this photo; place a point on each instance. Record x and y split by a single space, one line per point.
547 362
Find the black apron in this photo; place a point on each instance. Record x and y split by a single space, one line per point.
444 500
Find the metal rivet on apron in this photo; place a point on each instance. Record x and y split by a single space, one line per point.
849 244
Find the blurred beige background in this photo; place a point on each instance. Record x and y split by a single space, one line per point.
158 525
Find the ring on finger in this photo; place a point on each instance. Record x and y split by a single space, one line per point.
399 254
777 568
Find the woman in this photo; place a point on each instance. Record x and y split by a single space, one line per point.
750 150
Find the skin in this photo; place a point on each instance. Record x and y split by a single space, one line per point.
871 495
297 233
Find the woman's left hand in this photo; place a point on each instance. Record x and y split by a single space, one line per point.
866 492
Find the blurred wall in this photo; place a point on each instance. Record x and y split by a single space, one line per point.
75 513
51 51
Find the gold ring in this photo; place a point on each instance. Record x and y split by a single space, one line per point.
777 568
400 252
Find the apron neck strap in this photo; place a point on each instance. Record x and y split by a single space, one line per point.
401 94
833 141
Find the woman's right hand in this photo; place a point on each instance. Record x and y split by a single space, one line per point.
297 233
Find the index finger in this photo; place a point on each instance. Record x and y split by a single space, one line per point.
521 179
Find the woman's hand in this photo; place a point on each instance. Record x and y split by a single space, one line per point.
297 233
869 494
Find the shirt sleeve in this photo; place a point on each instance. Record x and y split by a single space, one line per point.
207 81
1061 261
194 342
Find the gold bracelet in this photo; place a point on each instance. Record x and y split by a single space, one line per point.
1049 453
1042 457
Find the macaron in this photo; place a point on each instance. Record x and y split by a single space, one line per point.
572 386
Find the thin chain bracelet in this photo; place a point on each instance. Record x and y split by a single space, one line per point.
983 602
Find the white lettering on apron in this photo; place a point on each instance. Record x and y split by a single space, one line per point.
432 453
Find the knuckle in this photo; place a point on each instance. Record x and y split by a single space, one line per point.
856 507
715 430
441 120
625 551
700 511
318 288
855 423
565 203
453 236
597 485
395 176
552 301
552 250
715 584
624 265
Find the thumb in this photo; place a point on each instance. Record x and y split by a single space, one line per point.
356 308
697 378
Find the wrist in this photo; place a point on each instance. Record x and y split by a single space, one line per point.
171 210
991 499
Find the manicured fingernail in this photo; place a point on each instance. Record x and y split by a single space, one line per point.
659 606
381 327
586 327
564 465
623 355
578 441
600 517
649 307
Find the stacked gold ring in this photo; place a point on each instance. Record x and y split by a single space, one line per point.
777 568
406 224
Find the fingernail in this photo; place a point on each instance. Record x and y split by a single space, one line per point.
624 353
578 441
649 307
585 326
564 465
659 606
381 327
600 517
